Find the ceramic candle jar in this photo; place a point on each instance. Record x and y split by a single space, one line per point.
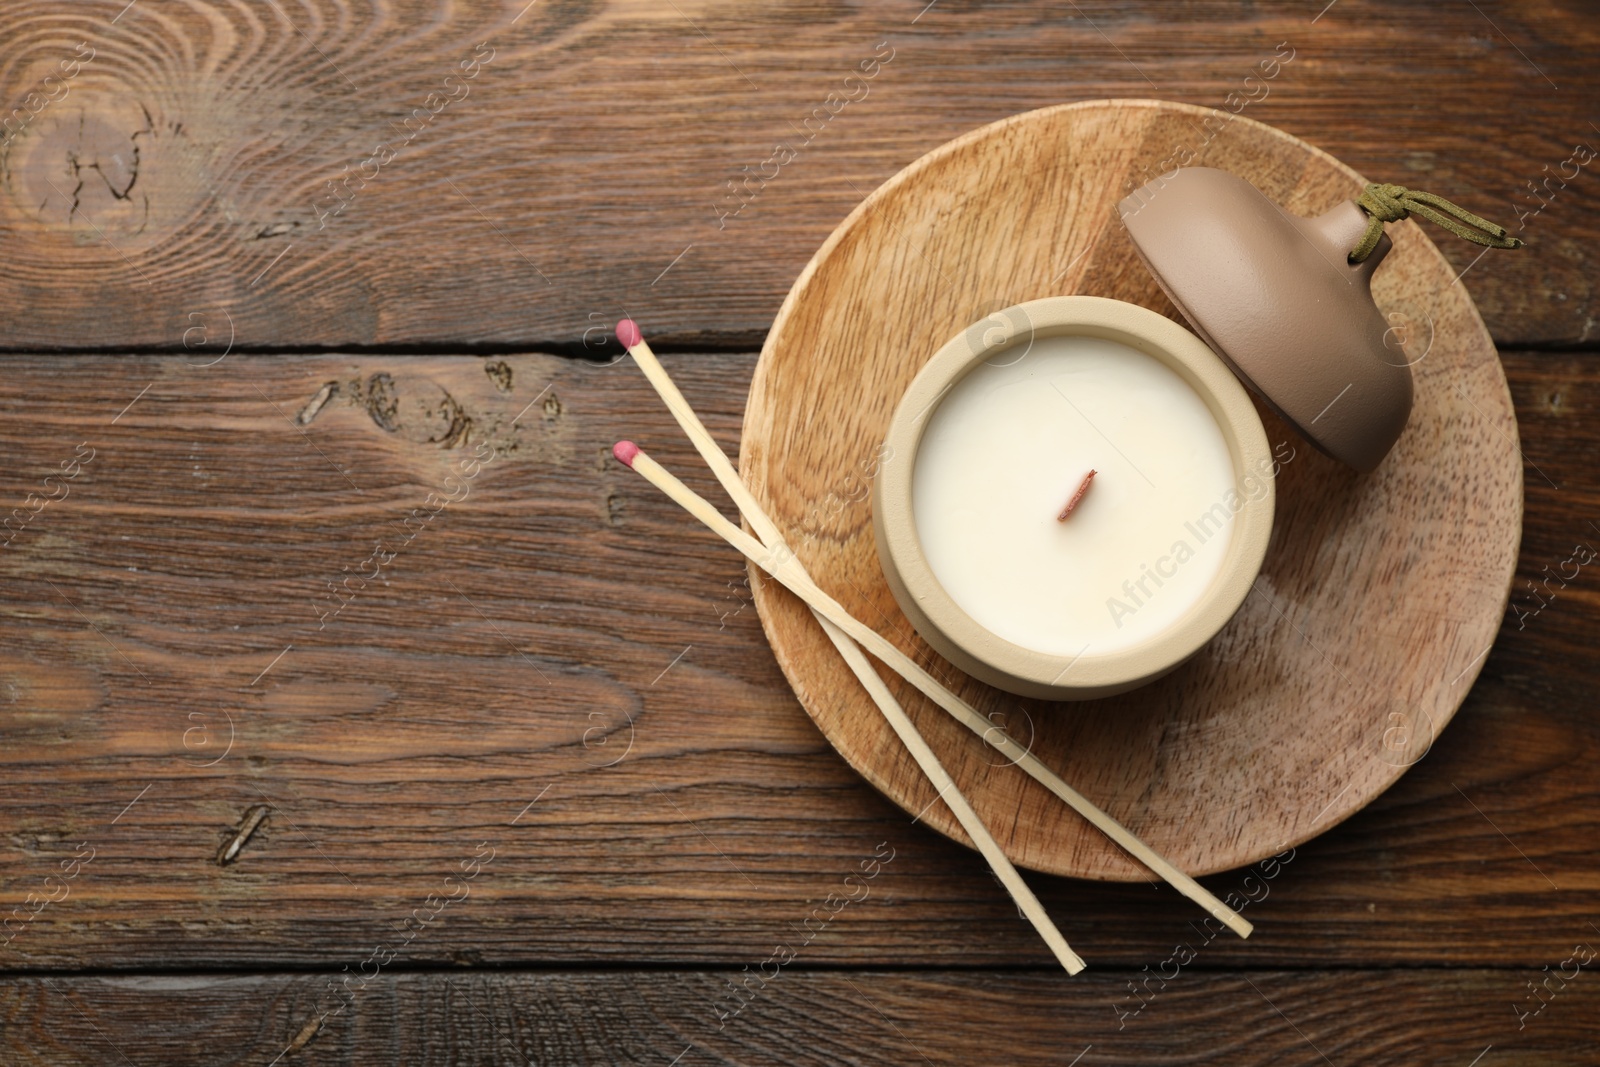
1002 427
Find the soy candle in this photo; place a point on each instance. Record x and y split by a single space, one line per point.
1008 447
1002 426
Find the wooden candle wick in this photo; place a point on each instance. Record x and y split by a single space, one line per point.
959 709
1083 487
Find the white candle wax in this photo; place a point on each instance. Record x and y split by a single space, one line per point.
1004 451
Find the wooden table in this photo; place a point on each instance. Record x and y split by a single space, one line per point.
323 527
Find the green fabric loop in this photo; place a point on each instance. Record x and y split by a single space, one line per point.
1391 203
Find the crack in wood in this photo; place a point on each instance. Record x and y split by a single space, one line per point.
315 405
310 1030
499 372
251 821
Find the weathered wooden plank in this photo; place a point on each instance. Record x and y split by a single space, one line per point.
1405 1018
561 665
252 172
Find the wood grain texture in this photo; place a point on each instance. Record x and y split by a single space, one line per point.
518 636
167 193
1375 602
218 163
1267 1018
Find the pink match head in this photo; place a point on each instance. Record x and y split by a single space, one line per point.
628 333
625 451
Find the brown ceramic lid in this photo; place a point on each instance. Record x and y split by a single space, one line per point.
1276 297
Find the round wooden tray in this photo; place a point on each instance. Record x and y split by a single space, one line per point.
1380 595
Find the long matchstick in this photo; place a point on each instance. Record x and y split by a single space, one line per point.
944 786
632 339
781 564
